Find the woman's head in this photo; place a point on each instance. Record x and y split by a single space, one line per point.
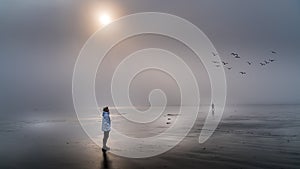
106 109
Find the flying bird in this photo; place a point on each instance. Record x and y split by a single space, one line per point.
224 63
273 52
229 68
243 73
267 62
271 60
249 63
235 55
214 54
262 64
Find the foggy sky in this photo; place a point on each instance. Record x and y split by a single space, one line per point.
40 41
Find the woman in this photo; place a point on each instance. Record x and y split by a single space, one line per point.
106 125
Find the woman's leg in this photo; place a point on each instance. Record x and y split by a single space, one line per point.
105 138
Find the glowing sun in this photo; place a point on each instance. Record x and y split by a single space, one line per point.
104 19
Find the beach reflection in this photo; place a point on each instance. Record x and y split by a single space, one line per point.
105 161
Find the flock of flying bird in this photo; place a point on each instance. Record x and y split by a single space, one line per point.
237 56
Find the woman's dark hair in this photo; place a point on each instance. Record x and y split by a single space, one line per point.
106 109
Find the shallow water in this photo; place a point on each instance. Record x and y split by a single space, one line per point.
249 136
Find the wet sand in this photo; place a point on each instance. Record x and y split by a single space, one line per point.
252 136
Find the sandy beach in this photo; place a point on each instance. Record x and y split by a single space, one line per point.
249 136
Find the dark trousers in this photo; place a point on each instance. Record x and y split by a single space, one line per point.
105 138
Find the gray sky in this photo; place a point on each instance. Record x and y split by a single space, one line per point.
40 41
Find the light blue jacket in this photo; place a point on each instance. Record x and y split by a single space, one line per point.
106 121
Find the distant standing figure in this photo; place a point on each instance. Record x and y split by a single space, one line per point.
213 108
106 126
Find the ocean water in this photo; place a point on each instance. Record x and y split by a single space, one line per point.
248 136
